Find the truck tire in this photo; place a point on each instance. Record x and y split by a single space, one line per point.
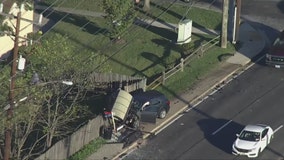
136 122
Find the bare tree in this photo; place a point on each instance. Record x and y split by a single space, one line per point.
59 113
48 113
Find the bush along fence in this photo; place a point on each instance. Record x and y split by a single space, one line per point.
199 52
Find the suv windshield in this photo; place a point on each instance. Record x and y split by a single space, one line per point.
278 42
250 136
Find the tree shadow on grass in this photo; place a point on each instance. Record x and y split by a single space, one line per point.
163 10
155 60
81 21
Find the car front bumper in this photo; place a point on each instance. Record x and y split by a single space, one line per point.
276 64
248 153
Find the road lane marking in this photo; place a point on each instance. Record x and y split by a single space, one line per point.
179 117
221 127
277 129
195 105
168 124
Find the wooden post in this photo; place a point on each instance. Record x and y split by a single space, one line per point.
164 78
181 64
8 130
224 40
201 50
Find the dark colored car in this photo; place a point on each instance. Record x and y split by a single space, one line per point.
151 101
275 56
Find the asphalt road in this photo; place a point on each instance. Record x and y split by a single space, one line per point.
265 12
208 130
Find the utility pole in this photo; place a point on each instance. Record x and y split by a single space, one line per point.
238 17
224 39
9 125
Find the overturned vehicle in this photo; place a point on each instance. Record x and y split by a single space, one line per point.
129 109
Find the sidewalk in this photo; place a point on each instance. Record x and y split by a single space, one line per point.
252 44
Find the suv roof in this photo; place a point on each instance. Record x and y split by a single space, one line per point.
145 96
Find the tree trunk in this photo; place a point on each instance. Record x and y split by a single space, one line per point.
224 39
146 6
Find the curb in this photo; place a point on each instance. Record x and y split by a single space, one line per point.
199 98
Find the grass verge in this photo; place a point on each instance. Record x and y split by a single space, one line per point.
146 51
88 149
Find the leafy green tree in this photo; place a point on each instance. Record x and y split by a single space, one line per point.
51 109
120 15
54 60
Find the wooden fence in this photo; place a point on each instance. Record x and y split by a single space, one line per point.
183 62
113 81
73 143
70 145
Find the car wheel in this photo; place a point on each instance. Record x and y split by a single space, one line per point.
162 114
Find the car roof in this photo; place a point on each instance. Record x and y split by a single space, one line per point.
147 95
255 127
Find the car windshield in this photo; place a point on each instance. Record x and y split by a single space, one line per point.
250 136
278 42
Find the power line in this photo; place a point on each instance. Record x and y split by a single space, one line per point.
50 28
27 20
147 26
105 47
10 110
133 27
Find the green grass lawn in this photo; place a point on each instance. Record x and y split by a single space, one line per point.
146 51
177 12
196 70
88 5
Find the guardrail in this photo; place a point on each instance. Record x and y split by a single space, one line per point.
183 62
